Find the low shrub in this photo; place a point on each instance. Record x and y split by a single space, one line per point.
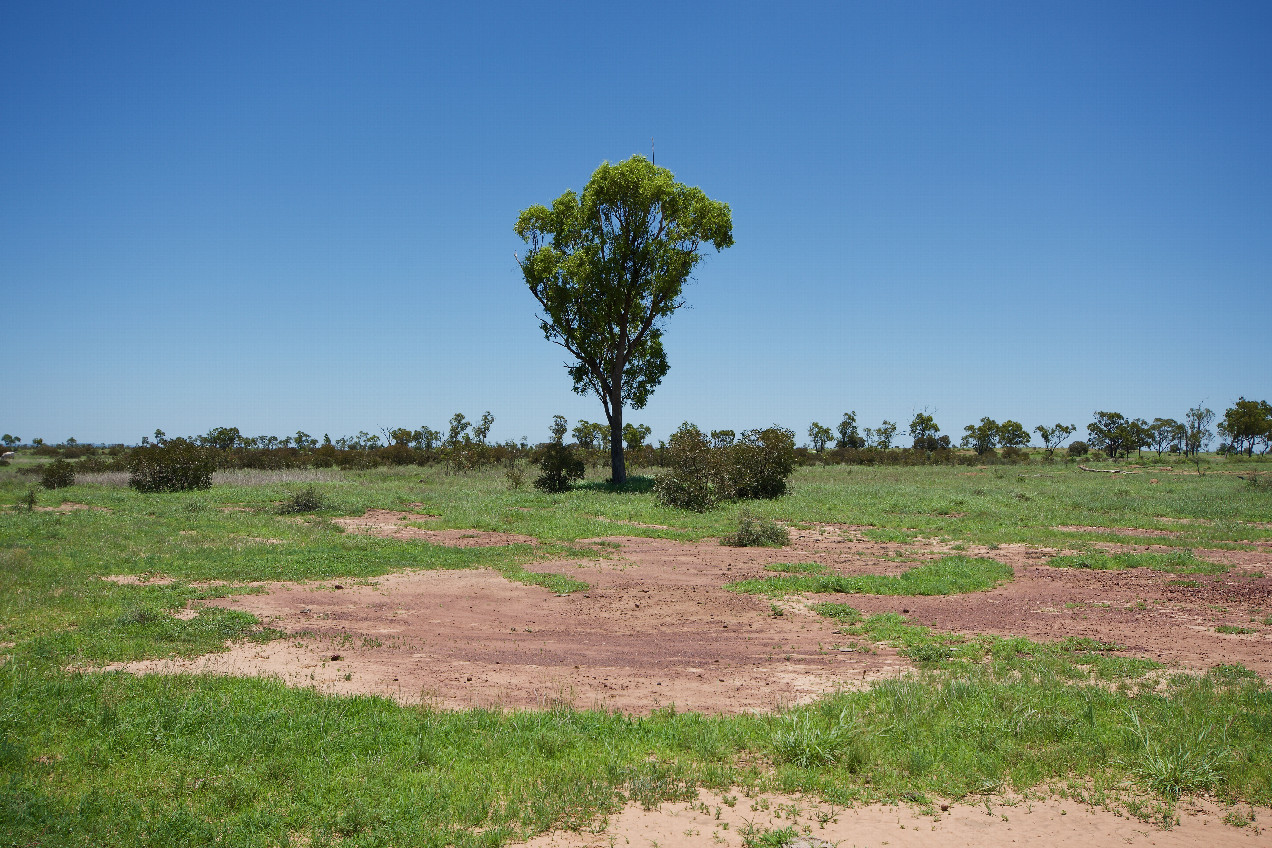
700 475
756 532
759 463
58 474
176 465
560 467
1079 448
694 478
308 499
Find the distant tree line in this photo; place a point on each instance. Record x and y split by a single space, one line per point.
464 445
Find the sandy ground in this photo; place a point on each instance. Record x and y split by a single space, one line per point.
1050 822
657 627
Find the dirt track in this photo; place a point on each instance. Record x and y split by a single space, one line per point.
657 628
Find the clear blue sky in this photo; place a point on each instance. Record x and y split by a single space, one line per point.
299 216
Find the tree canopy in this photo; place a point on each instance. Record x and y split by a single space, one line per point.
608 267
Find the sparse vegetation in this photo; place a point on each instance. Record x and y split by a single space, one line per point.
754 531
58 474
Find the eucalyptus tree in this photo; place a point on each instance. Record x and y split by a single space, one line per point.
608 267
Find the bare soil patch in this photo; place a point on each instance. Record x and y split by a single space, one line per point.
658 628
70 506
390 524
996 823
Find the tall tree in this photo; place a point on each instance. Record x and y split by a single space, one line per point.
1197 432
1053 436
608 267
1246 424
819 435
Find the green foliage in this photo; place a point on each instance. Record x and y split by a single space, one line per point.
1173 765
609 267
759 463
560 466
1078 448
755 532
807 741
1175 562
819 435
693 478
849 438
58 474
308 499
174 465
952 575
28 500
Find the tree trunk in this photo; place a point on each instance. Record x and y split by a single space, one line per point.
618 466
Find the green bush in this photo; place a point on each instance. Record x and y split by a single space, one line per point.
560 467
176 465
700 475
58 474
693 479
756 532
1079 448
308 499
759 463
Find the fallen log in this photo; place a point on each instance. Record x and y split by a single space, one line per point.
1107 470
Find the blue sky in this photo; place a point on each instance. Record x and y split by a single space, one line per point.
299 216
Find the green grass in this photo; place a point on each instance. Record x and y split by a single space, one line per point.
1174 562
797 567
112 759
953 575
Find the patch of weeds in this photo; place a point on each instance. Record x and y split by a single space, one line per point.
1178 764
1239 818
801 740
887 534
1175 562
308 499
764 837
1086 645
954 575
651 783
927 653
777 611
1183 584
1234 630
1230 674
842 613
797 567
29 500
754 532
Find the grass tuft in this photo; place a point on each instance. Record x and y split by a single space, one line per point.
1174 562
954 575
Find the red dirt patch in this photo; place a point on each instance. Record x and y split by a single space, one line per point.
658 628
389 524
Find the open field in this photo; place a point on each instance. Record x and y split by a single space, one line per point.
434 660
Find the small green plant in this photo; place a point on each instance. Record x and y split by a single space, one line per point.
797 568
755 532
308 499
764 837
1233 629
805 742
514 474
560 467
58 474
1181 764
28 500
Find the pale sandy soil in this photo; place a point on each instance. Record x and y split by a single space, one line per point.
1052 822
